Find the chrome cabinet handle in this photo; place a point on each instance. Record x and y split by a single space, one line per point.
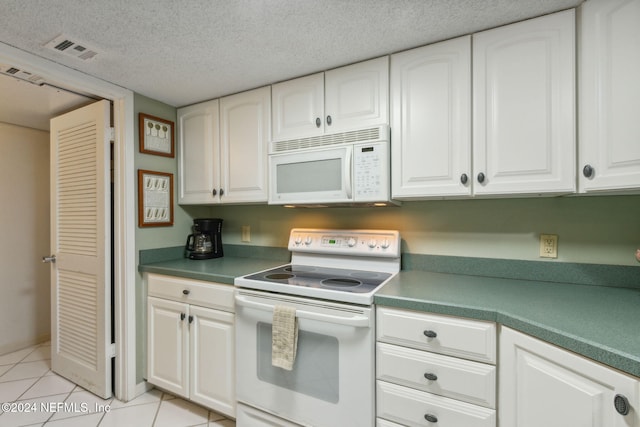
464 178
190 319
430 334
51 258
431 377
588 171
221 192
186 292
182 316
621 403
431 418
329 120
318 122
214 192
481 177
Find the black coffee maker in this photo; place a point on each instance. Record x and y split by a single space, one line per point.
206 240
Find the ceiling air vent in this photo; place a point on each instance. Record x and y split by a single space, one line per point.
12 71
70 47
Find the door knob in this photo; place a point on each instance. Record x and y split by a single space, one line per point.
51 258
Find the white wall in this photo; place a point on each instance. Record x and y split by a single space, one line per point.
24 237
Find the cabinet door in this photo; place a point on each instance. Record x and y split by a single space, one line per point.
245 129
609 95
168 345
298 107
199 154
524 107
357 96
213 359
541 384
431 120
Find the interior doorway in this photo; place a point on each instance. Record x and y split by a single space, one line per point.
124 257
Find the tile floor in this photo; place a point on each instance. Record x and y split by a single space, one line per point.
39 397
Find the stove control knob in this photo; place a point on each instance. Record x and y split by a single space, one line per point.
308 240
351 242
385 244
372 243
298 240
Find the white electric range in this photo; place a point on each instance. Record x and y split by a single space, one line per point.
331 281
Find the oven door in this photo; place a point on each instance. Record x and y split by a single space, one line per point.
311 177
332 381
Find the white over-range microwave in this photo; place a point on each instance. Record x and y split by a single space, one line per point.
349 168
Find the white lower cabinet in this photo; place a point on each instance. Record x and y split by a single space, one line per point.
190 340
434 370
543 385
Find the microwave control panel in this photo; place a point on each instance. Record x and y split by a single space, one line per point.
371 171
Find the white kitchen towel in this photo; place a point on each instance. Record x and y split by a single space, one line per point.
284 337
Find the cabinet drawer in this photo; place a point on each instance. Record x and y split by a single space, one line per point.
460 379
196 292
468 339
381 422
408 407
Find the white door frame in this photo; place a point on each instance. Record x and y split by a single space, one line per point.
124 203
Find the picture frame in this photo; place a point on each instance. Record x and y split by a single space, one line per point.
155 198
156 135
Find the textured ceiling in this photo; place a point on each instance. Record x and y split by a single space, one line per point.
184 51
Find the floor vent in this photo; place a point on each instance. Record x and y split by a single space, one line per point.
70 47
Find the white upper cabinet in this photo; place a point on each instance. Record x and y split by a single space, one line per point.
222 149
245 126
199 153
431 120
609 95
346 98
524 107
298 107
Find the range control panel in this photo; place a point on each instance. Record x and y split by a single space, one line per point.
382 243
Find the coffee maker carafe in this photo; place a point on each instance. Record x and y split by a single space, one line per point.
206 240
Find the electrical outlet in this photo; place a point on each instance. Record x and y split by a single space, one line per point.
549 246
246 233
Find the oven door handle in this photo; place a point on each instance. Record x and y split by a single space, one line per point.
355 321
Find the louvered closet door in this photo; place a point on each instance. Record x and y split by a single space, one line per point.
80 240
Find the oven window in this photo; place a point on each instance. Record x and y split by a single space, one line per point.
302 177
315 371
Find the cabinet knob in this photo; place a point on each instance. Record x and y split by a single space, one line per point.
481 177
190 319
186 291
621 404
318 122
464 178
214 192
221 192
329 120
588 171
431 377
431 418
430 334
182 316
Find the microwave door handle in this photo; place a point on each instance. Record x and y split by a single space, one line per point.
348 172
355 321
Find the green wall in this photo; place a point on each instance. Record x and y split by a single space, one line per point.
596 230
154 237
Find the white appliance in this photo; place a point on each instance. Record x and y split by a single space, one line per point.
347 168
330 282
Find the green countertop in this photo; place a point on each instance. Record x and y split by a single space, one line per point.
598 322
220 270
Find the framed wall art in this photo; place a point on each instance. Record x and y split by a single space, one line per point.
156 135
155 198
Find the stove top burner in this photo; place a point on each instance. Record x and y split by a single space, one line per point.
342 280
